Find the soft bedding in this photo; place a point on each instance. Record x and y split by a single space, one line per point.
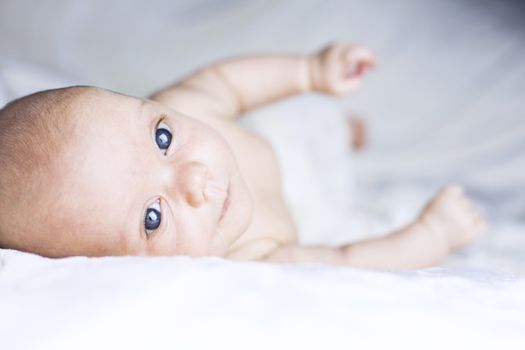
183 303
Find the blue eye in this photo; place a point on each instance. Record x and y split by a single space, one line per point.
152 217
163 136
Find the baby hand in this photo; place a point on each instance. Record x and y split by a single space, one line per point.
453 218
339 68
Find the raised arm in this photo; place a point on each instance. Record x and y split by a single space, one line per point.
232 87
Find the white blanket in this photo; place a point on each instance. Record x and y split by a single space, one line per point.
182 303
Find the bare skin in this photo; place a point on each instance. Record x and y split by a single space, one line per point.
216 189
448 222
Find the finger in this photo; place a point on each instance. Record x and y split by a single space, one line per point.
354 71
466 203
476 215
361 55
453 189
357 69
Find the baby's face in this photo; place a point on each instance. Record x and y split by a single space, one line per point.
138 178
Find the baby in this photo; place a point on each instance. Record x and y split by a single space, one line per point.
87 171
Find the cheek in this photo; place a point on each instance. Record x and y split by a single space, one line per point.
195 232
212 139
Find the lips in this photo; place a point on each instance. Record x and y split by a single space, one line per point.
226 203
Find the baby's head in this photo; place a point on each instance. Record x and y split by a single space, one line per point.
86 171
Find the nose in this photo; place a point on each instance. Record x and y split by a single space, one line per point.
193 177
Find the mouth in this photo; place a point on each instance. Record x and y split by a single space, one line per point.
226 203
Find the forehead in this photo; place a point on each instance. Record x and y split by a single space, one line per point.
102 172
99 103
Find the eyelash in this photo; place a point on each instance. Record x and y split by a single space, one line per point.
167 137
154 211
155 207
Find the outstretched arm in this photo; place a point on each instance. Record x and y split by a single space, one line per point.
232 87
448 222
409 248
